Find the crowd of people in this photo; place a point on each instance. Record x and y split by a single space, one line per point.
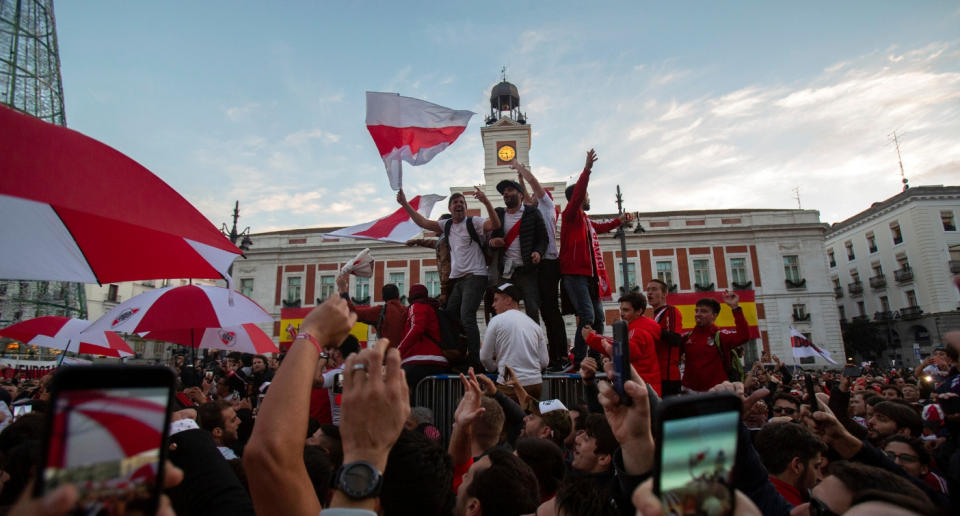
332 426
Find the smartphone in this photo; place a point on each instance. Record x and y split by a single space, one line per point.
19 410
770 367
338 383
811 393
851 371
696 453
621 360
106 434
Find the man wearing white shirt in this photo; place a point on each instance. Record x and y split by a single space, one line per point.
549 274
513 339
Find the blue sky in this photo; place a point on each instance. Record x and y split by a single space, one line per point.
691 105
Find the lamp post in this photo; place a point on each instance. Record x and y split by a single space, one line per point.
233 235
622 235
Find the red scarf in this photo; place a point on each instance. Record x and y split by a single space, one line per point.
605 291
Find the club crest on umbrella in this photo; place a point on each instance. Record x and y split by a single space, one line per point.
228 337
124 315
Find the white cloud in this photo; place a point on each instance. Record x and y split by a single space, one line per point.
236 113
301 137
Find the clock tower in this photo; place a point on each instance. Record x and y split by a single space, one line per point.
505 136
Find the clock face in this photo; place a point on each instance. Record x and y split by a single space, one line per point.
506 153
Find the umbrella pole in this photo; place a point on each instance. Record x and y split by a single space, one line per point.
64 354
194 346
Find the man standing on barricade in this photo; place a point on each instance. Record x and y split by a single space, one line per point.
581 262
442 248
707 348
387 319
668 345
515 340
468 267
522 241
548 274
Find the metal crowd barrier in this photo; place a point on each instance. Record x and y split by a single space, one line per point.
442 393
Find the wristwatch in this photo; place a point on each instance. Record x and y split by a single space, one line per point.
359 480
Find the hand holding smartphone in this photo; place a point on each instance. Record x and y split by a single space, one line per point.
621 361
696 440
106 430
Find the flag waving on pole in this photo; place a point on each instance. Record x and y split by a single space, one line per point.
410 130
803 348
396 227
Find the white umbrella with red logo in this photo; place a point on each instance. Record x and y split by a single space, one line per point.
197 316
75 209
64 333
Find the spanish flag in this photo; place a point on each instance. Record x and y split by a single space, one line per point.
290 319
686 304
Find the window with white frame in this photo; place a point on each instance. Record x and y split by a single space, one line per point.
831 258
665 272
294 293
328 286
871 243
911 296
398 279
701 272
949 223
631 280
362 290
791 268
800 312
738 270
246 286
850 254
432 282
884 304
896 233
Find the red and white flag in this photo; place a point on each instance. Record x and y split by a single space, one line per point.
803 348
411 130
396 227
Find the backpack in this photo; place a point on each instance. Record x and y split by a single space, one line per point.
453 340
733 367
487 254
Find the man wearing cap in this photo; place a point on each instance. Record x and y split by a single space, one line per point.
387 319
420 352
514 339
581 263
549 273
522 241
547 420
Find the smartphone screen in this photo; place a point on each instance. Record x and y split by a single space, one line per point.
851 371
621 360
338 383
697 449
106 430
19 410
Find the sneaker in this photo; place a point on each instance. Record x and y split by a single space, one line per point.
562 366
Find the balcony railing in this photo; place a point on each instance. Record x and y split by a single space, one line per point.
861 318
794 285
883 316
703 288
879 281
855 288
911 312
954 266
801 318
838 292
742 286
903 274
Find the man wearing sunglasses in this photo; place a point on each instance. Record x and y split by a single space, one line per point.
786 405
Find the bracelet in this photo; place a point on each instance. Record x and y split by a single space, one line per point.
311 339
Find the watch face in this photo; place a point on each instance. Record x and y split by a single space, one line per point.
506 153
360 480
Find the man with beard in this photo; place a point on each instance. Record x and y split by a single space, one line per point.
219 418
668 345
893 417
522 240
581 264
468 267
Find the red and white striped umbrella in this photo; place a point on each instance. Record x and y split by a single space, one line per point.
64 333
246 338
75 209
186 312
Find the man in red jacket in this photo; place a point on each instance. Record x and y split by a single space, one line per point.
668 342
420 355
581 263
704 364
387 319
643 332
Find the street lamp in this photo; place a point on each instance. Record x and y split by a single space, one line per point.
622 235
233 235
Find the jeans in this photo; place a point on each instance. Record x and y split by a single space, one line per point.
548 283
464 300
583 293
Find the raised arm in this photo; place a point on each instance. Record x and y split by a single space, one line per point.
415 216
493 222
528 176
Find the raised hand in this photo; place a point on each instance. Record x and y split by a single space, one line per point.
591 159
630 424
470 407
731 298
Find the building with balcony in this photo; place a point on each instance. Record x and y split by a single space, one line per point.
914 236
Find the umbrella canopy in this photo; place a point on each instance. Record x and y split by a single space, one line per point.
182 308
246 338
79 210
60 332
